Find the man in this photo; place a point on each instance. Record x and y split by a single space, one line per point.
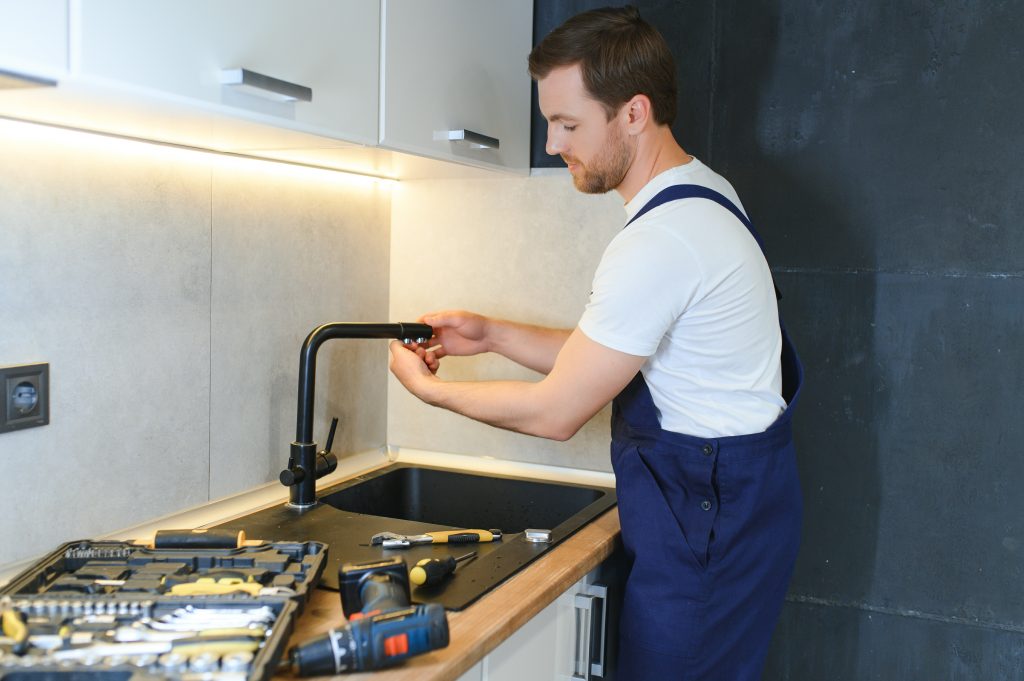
682 334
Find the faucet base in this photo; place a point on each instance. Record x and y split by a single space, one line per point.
300 508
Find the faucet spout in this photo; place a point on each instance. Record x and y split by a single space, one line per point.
300 476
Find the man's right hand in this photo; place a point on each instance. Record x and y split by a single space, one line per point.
458 332
467 333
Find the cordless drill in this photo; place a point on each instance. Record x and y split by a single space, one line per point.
383 629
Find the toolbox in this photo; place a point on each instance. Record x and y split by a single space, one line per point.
117 611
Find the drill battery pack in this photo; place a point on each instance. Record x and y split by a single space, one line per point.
117 611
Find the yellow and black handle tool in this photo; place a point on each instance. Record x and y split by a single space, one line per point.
217 583
433 571
213 538
14 629
391 540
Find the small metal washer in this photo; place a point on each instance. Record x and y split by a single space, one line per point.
538 536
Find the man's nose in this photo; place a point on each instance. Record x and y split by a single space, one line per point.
555 144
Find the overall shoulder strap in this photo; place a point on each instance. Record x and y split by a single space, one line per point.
792 367
696 191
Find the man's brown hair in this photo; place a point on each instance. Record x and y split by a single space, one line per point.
620 55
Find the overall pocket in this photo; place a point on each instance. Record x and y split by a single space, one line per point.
686 482
667 589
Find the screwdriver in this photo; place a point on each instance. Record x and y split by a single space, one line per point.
431 571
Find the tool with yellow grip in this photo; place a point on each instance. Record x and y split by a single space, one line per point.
431 571
202 539
212 586
15 629
391 540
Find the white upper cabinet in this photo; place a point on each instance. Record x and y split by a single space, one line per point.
342 83
455 84
34 38
311 64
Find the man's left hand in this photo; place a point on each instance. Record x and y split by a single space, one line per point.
412 366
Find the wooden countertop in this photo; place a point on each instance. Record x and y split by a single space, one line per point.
479 628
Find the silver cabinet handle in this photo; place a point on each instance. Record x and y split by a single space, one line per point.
473 139
591 604
584 605
265 86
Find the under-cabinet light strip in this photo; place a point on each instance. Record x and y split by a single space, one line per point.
199 150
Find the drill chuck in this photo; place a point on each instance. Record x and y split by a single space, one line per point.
378 585
374 642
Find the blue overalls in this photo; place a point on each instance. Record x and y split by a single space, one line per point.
711 525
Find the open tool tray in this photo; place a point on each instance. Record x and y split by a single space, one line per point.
114 611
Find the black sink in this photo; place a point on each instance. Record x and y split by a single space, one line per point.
412 499
467 500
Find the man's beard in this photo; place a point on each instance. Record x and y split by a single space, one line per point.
606 171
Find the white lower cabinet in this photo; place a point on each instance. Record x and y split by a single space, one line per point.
572 638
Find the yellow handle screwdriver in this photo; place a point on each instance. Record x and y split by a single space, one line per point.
431 571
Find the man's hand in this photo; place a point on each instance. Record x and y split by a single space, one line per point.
413 367
459 332
462 333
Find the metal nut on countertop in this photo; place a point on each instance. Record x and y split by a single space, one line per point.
538 536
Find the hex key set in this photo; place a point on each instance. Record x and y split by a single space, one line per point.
179 610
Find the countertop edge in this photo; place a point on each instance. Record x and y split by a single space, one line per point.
483 626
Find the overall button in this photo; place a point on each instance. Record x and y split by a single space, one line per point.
708 450
706 505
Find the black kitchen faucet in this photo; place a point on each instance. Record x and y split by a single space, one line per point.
305 465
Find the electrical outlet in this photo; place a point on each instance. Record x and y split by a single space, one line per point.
25 400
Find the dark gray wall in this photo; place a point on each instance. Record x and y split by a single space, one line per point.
876 144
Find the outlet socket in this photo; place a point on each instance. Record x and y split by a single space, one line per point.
25 396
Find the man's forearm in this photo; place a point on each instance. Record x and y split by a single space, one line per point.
512 405
554 407
534 347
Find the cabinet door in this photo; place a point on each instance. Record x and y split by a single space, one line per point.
531 651
560 643
181 47
457 65
34 38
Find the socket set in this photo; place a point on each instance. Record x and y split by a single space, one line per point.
126 612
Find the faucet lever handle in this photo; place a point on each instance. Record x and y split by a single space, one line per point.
325 461
330 435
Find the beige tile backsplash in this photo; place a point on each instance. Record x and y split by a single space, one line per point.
288 255
522 249
170 292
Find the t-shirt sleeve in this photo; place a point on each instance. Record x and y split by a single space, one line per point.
644 282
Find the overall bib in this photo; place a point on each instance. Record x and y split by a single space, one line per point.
711 526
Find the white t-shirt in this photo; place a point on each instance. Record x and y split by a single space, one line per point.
687 286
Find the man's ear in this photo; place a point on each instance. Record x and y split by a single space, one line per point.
638 112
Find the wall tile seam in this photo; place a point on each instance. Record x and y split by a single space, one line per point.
209 396
712 80
952 274
799 599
